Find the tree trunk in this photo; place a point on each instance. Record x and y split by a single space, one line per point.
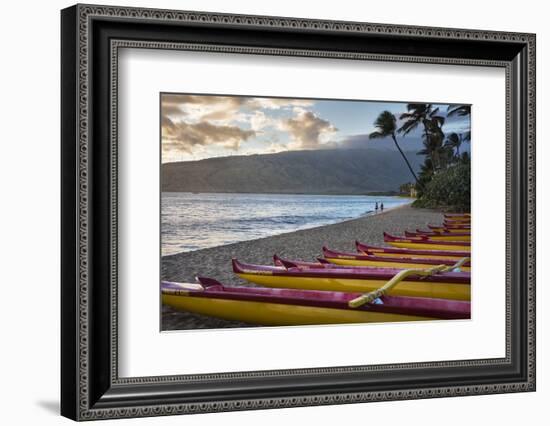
426 135
406 161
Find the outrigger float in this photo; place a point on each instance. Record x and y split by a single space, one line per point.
440 285
279 307
374 261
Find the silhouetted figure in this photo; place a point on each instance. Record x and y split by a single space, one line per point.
381 207
376 207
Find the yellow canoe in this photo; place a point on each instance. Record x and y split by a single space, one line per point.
438 236
374 261
441 228
279 307
453 286
426 243
410 253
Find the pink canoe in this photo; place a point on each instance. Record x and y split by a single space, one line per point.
404 252
266 306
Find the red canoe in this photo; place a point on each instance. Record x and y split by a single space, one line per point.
266 306
465 228
411 242
321 263
443 285
403 252
370 259
440 236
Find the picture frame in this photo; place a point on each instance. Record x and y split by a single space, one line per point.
90 385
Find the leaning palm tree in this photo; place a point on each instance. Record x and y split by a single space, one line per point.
386 126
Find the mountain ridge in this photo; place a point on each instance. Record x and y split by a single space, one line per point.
327 171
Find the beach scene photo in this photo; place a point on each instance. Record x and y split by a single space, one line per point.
296 211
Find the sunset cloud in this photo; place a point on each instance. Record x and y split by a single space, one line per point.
183 137
201 126
308 130
199 107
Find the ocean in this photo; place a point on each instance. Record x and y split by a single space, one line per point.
192 221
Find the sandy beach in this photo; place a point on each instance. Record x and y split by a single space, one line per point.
305 245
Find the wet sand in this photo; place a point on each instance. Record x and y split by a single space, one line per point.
300 245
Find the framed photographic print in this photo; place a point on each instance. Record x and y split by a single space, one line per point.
263 212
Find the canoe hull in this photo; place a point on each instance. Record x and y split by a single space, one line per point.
416 256
402 263
399 252
276 314
437 237
452 230
426 245
432 289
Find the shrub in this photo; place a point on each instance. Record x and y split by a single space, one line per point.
449 189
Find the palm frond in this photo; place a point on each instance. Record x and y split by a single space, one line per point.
376 135
460 110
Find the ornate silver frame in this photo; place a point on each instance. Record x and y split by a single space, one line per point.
91 388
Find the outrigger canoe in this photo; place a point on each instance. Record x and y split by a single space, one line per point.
463 232
447 285
438 236
417 243
326 264
371 261
453 228
321 263
267 306
403 252
457 215
460 222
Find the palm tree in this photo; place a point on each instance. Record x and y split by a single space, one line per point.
461 111
386 126
455 140
425 175
433 135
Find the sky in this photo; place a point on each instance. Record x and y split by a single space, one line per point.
195 127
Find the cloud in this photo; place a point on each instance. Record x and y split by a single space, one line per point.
222 108
409 143
193 123
202 107
184 137
308 131
278 103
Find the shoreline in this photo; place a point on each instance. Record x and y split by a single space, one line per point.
303 244
363 215
316 194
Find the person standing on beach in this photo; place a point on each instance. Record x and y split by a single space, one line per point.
376 207
381 207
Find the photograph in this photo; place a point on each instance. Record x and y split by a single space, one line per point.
265 209
281 211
